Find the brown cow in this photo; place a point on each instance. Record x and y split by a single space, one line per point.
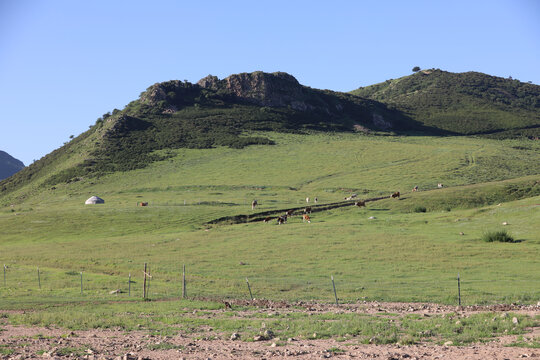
307 210
361 203
267 219
395 195
282 219
415 188
142 204
306 217
254 204
290 212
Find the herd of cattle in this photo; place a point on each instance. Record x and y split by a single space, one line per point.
282 219
305 213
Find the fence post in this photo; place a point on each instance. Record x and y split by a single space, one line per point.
144 282
459 290
148 283
184 282
249 288
129 284
38 278
81 284
334 286
4 275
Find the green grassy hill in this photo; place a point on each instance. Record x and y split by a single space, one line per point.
212 113
468 103
400 255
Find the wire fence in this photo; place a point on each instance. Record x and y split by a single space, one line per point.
152 282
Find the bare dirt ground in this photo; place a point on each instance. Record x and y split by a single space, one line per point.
53 343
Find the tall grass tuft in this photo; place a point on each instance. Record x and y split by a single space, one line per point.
500 236
420 209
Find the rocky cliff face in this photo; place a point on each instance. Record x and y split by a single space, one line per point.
264 89
8 165
272 90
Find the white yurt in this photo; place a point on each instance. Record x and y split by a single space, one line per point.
95 200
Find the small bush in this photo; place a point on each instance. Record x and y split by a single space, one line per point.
500 236
420 209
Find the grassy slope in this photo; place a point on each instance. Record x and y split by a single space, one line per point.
463 103
400 255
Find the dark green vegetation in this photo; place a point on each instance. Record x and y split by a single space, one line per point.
500 236
8 165
468 103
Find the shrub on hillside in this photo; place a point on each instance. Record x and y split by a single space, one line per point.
500 236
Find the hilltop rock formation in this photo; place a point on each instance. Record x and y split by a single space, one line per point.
9 165
277 89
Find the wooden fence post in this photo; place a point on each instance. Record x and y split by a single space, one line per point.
144 282
38 278
249 288
81 284
148 284
129 284
334 286
184 282
459 290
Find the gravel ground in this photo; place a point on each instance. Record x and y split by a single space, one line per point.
53 343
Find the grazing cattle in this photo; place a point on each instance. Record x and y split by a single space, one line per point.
290 212
395 195
267 219
415 188
439 185
307 210
254 204
282 219
305 218
142 204
361 203
315 200
307 200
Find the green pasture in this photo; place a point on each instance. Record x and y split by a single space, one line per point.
399 255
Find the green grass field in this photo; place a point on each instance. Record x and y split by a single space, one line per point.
400 255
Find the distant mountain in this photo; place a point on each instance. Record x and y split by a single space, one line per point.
469 103
9 165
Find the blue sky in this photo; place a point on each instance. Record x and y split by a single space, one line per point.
64 63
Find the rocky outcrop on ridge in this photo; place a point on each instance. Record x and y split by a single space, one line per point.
277 89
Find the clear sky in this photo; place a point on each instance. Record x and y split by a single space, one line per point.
64 63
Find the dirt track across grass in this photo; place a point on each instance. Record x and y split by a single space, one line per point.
21 342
